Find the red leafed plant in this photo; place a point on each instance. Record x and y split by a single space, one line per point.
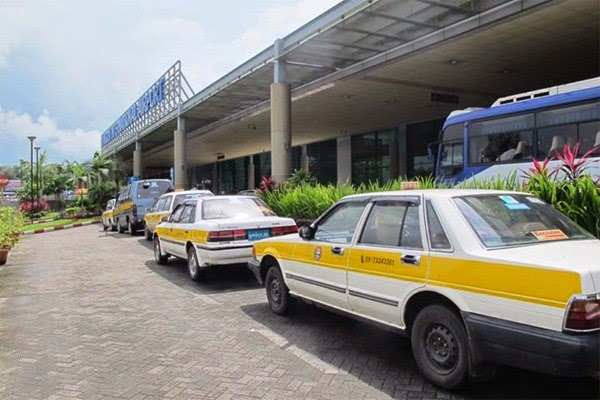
29 207
267 184
572 165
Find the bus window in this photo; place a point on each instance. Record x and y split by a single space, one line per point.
452 158
589 137
553 139
501 140
562 126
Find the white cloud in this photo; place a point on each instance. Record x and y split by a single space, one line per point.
91 60
72 144
278 21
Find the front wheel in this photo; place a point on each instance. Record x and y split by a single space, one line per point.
278 293
440 347
194 270
120 228
158 255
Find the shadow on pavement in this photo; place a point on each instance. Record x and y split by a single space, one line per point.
375 355
221 279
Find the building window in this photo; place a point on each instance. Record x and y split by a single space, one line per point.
418 138
372 155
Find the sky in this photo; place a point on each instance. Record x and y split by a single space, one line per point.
70 68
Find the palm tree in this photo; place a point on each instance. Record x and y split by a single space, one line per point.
79 176
101 166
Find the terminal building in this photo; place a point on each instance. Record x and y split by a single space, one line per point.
357 94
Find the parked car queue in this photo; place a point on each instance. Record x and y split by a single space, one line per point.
475 278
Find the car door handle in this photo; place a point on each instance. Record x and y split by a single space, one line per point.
411 259
337 250
186 231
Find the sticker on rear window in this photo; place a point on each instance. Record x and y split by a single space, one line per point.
535 200
508 199
551 234
516 206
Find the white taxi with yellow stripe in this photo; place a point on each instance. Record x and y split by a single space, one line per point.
165 204
473 277
216 230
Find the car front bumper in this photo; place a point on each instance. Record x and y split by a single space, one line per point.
542 350
254 266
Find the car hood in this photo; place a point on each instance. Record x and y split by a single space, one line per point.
581 256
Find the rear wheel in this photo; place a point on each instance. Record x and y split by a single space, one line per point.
130 228
147 233
113 226
196 273
158 254
120 227
440 346
278 293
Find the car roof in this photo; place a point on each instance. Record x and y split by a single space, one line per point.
431 193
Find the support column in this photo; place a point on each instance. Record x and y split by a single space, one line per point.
281 132
137 160
344 160
304 159
281 120
179 161
402 152
251 178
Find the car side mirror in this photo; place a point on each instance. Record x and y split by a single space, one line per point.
164 219
306 232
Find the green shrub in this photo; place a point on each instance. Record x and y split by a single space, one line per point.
11 224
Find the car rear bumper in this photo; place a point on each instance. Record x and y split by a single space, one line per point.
542 350
225 255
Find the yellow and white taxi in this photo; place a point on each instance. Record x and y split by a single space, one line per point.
164 206
473 277
108 221
216 230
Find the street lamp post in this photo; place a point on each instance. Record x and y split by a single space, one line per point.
31 139
37 174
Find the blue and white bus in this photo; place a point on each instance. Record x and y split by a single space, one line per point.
484 143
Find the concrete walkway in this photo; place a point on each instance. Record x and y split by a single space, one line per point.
86 314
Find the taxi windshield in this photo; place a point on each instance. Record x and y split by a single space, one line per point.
502 220
239 207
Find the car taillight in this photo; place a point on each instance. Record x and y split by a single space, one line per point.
583 313
225 236
283 230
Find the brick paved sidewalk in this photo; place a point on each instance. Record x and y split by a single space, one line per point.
89 315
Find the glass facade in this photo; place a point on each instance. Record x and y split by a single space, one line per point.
323 161
418 137
375 156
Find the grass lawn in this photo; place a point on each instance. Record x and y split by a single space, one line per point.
57 222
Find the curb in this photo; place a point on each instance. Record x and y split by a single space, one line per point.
60 228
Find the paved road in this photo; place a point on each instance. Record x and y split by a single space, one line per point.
89 315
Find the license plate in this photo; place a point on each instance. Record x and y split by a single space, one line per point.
257 234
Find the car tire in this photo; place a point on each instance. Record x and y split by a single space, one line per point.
278 294
196 273
113 227
440 347
147 233
130 228
159 257
120 228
